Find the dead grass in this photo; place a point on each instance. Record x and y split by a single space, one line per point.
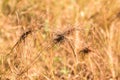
59 40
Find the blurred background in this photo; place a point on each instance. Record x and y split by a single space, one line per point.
90 50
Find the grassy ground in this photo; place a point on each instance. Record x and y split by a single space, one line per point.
59 39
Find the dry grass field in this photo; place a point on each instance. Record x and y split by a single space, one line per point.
59 39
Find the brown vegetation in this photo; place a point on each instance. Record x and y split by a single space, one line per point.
60 40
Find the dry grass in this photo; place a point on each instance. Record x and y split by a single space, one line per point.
60 40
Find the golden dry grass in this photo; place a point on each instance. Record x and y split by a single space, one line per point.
60 40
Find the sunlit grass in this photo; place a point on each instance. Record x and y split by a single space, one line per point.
38 57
